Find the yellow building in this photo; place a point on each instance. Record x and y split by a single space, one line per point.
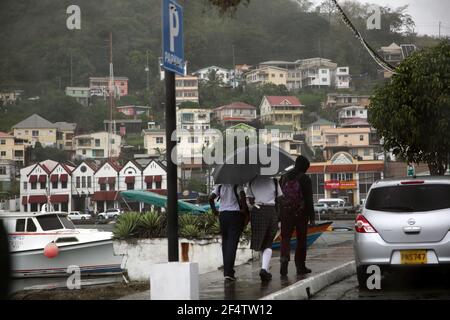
265 75
12 149
37 129
281 110
359 142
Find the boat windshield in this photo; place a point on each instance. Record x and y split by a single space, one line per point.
54 222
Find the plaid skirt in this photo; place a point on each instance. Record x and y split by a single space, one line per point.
264 224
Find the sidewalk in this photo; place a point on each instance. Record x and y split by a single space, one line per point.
331 250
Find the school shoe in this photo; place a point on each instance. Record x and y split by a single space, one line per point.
303 270
265 275
284 267
230 278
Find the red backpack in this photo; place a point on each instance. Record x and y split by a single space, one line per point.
292 201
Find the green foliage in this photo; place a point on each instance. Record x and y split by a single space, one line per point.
151 225
190 231
127 225
39 153
412 112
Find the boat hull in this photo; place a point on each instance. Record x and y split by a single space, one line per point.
314 232
92 258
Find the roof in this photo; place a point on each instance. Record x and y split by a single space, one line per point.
283 100
236 105
5 135
34 121
322 122
347 130
107 78
123 121
66 126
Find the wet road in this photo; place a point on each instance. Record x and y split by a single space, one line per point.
416 284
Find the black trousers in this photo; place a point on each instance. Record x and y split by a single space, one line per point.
231 226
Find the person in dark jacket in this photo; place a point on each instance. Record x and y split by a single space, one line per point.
298 220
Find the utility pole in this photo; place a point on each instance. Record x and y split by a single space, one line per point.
234 69
147 69
440 23
111 93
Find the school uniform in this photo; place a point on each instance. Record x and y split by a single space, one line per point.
264 216
231 224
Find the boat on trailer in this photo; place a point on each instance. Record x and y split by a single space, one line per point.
45 244
314 232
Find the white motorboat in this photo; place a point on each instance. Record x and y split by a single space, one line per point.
47 243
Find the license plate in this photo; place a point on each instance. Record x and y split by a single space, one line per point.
413 256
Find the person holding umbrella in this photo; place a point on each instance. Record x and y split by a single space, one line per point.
296 209
232 218
263 193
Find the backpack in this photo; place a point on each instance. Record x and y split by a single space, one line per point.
292 201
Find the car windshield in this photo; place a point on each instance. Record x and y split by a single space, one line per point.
425 197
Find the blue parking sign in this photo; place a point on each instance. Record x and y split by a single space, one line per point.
173 48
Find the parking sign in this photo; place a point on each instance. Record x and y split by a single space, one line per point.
173 49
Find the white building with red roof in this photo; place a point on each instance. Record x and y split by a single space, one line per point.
234 113
281 110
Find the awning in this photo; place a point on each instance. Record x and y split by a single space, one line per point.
64 178
105 196
111 180
24 200
33 179
129 180
54 178
59 198
42 178
37 199
158 178
148 179
102 180
158 200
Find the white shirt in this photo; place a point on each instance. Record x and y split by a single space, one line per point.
228 200
263 190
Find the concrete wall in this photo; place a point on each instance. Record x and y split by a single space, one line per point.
139 255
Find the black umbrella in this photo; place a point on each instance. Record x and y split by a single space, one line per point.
246 163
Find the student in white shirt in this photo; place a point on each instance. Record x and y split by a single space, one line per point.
263 193
232 216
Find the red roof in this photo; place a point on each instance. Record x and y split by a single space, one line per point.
105 196
59 198
5 135
237 105
371 167
283 100
341 168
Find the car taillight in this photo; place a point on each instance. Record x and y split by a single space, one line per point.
363 226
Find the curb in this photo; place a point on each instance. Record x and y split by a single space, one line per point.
305 289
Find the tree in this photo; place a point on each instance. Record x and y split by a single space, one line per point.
412 112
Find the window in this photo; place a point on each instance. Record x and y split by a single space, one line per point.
31 227
64 185
25 185
2 170
3 141
20 225
34 186
111 186
43 185
3 153
130 186
49 222
89 182
54 185
83 182
316 127
103 187
149 185
35 133
97 142
361 138
159 140
281 75
77 183
425 197
324 79
158 184
273 75
113 141
366 152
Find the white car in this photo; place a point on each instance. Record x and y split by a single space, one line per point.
110 214
77 215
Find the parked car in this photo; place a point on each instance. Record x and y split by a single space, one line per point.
336 205
344 208
321 208
110 214
77 215
404 223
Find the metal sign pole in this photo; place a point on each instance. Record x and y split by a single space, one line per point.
172 195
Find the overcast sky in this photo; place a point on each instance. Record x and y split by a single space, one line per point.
425 13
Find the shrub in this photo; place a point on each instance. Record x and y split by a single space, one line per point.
127 225
151 225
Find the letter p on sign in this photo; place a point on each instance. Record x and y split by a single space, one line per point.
174 21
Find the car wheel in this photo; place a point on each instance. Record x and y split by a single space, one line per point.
323 212
101 218
362 276
345 211
83 218
115 217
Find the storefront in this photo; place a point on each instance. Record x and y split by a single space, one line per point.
344 177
